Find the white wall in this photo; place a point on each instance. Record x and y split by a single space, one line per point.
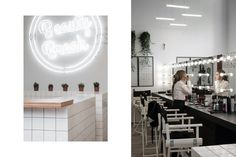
95 71
206 36
231 25
231 17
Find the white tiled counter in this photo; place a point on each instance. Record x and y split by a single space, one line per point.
100 109
227 150
75 122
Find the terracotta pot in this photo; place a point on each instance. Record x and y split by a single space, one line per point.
65 88
36 88
50 88
96 89
81 88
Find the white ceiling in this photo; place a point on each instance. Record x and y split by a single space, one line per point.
149 9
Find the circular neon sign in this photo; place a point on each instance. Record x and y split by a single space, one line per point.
65 44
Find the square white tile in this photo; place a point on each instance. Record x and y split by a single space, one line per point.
37 123
37 113
27 135
62 124
61 136
62 113
50 113
27 123
27 112
49 135
50 124
37 135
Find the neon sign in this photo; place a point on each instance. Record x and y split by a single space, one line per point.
65 44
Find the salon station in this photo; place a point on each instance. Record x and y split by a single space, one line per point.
65 78
183 76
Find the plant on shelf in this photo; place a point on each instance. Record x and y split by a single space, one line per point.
81 87
96 86
145 41
65 87
50 87
36 86
133 38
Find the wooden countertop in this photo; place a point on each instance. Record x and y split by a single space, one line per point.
48 103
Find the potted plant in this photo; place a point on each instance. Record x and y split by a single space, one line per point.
96 86
81 87
36 86
133 38
145 43
65 87
50 87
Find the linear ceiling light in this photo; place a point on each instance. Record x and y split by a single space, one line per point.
178 24
177 6
192 15
164 18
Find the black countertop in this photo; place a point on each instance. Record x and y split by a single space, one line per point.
227 120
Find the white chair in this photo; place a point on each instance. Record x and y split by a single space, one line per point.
178 137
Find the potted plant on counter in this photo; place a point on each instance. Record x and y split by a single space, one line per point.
50 87
36 86
81 87
65 86
96 86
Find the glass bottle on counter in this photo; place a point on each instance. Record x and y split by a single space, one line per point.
229 105
224 107
232 98
214 103
220 102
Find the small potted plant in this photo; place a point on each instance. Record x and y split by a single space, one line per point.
81 87
65 86
50 87
36 86
96 86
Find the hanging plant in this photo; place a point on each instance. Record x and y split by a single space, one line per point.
133 38
145 43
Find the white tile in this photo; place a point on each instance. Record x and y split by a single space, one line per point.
50 113
37 123
49 124
61 136
62 113
27 123
37 135
62 124
27 135
37 112
98 110
27 112
49 135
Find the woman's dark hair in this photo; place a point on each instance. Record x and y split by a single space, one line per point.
225 77
178 76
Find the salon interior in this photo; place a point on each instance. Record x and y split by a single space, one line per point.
65 78
183 77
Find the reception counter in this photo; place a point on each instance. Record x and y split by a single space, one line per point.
60 119
65 116
218 128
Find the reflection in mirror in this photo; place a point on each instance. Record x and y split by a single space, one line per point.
229 66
